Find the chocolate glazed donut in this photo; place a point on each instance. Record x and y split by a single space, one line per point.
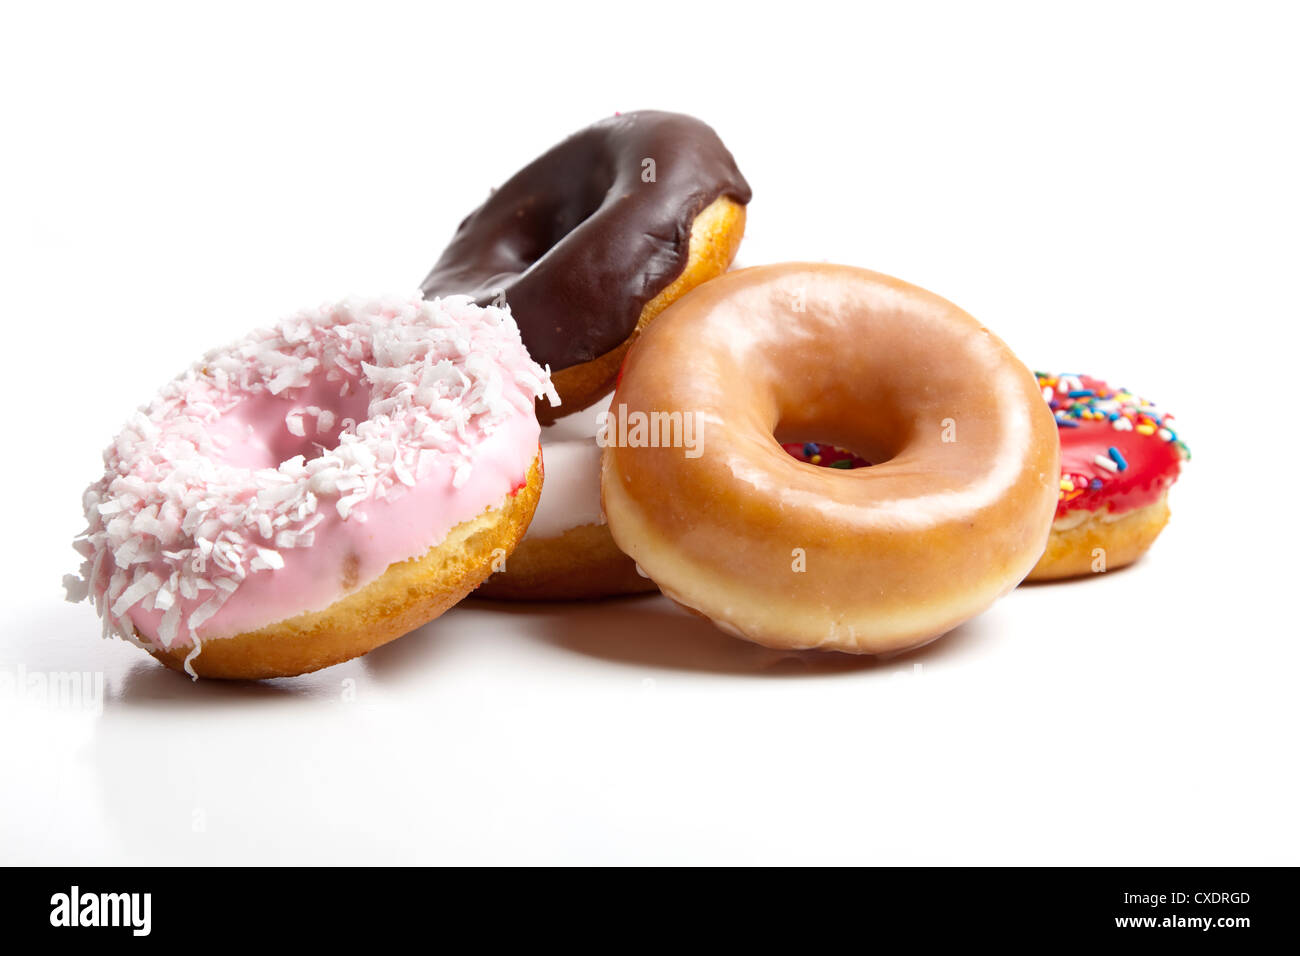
596 237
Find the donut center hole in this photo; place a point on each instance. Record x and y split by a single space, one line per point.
546 225
824 442
825 454
266 430
841 427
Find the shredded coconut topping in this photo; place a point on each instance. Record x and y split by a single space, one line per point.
173 527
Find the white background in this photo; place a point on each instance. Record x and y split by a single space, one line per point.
1111 188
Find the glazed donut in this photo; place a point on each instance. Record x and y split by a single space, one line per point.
567 553
316 489
954 512
1119 456
592 240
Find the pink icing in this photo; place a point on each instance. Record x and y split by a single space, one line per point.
302 461
375 534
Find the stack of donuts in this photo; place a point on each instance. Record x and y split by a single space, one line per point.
583 402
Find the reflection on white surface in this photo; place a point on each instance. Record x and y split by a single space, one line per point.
630 730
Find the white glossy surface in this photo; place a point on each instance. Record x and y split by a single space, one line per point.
1113 200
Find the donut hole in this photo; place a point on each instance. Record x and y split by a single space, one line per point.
265 430
838 446
825 454
544 225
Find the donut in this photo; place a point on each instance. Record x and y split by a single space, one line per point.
1119 456
698 490
568 553
592 240
315 489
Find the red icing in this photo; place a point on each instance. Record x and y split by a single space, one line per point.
1153 462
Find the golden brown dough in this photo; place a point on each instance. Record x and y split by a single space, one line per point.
583 563
1101 542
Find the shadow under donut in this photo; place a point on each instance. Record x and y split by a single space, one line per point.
652 631
148 684
131 679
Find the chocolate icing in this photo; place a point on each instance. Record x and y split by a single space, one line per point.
579 243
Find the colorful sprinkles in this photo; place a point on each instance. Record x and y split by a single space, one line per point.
1073 403
828 456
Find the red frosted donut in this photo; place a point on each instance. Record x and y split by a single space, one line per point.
1119 455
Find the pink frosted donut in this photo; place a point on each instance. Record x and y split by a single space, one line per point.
316 489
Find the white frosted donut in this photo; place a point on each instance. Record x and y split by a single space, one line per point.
568 552
298 466
571 494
